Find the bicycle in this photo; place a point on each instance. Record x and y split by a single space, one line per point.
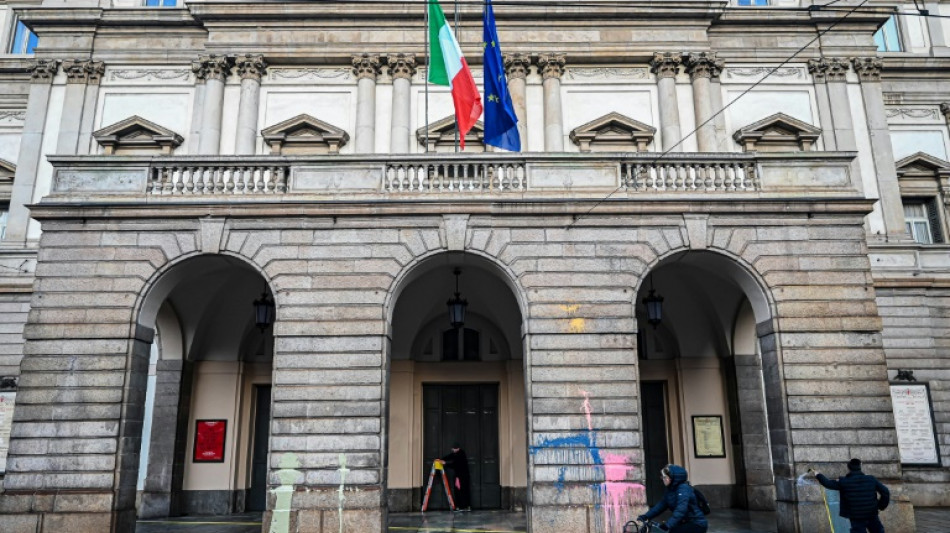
647 526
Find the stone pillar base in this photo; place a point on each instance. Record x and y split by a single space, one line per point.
62 511
318 511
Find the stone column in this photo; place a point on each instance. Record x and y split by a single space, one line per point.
251 68
170 424
836 70
31 150
401 67
666 65
214 70
702 67
516 68
366 69
818 69
77 108
552 68
892 210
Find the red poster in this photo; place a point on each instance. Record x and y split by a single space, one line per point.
209 441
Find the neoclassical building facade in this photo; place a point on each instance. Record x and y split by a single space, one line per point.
232 229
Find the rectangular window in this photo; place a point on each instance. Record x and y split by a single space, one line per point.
752 2
888 38
3 221
922 221
161 3
24 40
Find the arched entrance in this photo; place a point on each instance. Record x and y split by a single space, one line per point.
461 384
207 412
703 386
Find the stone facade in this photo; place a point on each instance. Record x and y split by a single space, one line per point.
155 184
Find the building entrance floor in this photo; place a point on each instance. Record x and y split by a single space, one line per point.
929 520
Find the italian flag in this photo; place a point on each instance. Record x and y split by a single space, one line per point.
448 67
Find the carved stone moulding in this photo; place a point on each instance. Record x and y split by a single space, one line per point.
777 133
135 135
304 135
613 132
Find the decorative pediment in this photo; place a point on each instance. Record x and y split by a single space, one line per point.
442 136
135 135
304 135
7 172
777 133
922 164
613 132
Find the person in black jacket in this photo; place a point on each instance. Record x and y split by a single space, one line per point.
862 496
457 461
679 498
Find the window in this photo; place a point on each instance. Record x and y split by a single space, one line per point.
752 2
888 38
4 212
24 40
922 220
462 340
161 3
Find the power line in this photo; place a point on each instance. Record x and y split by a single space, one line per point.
717 113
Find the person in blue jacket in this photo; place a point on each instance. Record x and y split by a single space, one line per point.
862 496
679 498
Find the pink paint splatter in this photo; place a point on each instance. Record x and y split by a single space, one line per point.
617 492
587 409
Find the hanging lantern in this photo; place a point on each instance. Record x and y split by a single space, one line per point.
264 311
457 305
654 305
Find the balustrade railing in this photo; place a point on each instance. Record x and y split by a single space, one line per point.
217 179
455 177
687 176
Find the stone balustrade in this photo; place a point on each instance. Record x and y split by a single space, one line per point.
748 174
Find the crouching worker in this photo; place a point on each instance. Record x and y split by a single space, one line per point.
679 498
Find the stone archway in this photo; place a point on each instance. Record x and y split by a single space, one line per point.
479 365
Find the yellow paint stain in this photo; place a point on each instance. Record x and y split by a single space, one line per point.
570 309
577 325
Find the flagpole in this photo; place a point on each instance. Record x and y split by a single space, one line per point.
456 15
426 125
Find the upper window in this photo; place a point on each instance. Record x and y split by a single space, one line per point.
888 38
24 40
161 3
752 2
921 220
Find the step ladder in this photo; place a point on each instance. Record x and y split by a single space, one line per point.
440 466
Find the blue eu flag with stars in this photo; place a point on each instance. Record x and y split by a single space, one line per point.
501 123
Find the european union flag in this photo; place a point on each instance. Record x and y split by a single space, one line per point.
501 123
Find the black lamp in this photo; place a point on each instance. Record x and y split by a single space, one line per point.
654 304
457 305
264 310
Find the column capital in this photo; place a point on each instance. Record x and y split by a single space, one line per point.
868 68
83 71
702 65
666 64
831 68
401 65
552 65
366 66
211 67
517 65
818 68
945 109
43 70
250 66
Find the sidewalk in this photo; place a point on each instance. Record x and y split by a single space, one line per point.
929 520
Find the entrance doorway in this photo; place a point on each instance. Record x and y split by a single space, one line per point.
257 494
468 415
655 444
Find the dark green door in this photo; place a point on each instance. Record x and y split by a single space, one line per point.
467 414
655 445
257 494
